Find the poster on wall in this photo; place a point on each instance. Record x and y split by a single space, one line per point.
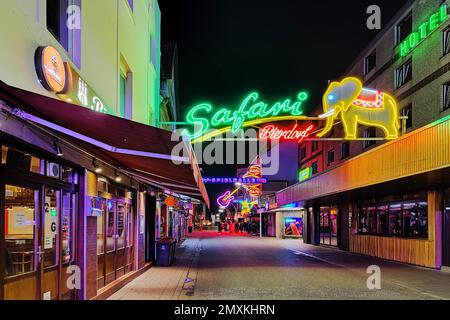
50 224
293 227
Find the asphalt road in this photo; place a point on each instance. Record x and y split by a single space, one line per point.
229 267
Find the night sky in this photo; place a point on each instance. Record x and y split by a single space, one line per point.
230 47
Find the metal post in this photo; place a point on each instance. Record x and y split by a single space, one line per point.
260 224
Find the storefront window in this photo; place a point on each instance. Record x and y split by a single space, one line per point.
407 219
99 206
293 227
130 233
383 219
120 226
19 231
51 228
67 229
415 219
110 235
395 219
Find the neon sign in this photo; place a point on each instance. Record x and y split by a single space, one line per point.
304 174
272 132
247 207
424 31
234 180
204 116
227 198
253 189
254 171
354 105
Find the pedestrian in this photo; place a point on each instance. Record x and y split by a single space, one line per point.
219 225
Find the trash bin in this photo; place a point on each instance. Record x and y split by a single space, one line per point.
165 252
190 229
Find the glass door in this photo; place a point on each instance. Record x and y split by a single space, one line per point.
49 247
21 272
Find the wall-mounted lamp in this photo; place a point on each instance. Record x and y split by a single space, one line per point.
97 168
117 178
57 149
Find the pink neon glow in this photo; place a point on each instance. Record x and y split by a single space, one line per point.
272 132
225 199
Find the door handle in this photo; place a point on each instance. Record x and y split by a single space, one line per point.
39 253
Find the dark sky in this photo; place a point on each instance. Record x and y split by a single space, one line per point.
230 47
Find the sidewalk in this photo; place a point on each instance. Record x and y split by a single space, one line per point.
165 283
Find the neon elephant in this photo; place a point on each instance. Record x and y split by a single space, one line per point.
355 105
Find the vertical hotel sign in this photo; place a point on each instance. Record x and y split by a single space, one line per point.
424 31
62 79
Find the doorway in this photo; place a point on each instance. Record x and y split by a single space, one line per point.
329 226
38 242
150 224
446 235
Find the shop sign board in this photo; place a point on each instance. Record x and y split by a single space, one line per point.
62 79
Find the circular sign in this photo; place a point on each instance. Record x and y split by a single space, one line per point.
50 69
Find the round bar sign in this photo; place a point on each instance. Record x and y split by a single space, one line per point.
50 69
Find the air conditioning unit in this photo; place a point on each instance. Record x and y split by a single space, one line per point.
53 170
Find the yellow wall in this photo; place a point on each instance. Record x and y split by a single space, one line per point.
23 25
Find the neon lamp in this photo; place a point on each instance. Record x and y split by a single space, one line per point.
204 115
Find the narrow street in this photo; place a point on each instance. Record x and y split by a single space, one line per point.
213 266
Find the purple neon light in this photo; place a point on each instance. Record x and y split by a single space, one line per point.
95 142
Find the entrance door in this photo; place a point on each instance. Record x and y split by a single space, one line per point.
49 246
446 235
329 226
36 257
20 243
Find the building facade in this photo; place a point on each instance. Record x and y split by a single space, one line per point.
84 172
388 199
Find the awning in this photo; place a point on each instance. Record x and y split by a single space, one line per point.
143 151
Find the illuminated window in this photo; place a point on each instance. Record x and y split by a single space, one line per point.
64 23
315 168
330 157
407 112
126 94
403 74
369 134
446 41
407 219
345 150
446 96
370 62
302 153
403 29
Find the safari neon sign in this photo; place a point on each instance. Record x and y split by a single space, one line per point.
251 109
424 30
346 101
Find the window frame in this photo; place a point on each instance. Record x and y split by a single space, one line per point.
398 26
401 69
366 62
